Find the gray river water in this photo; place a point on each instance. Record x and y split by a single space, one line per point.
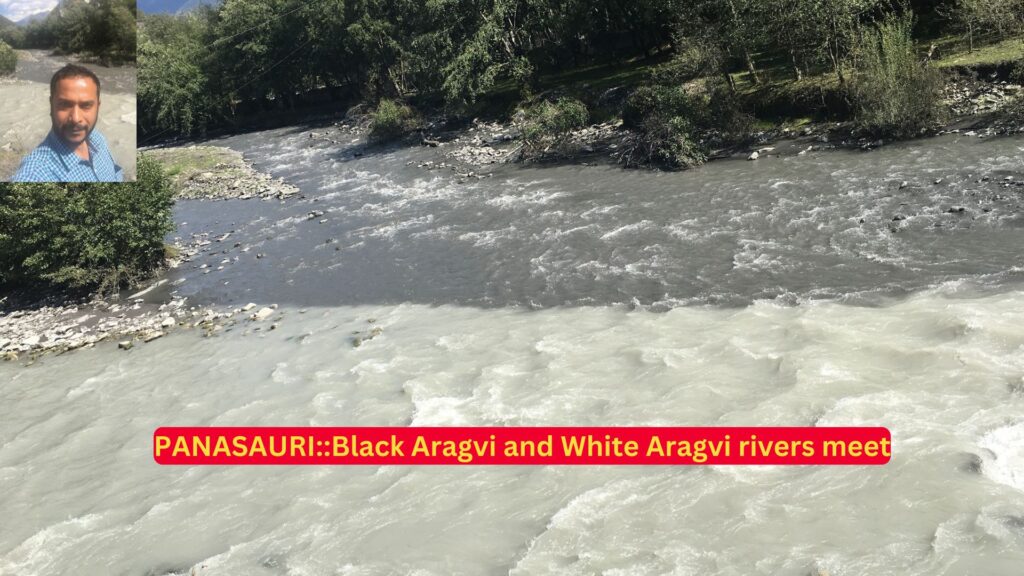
814 226
809 290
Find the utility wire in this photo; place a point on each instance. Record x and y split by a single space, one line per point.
274 65
264 23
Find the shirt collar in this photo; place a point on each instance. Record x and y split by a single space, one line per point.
66 154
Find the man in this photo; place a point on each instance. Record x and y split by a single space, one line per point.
74 151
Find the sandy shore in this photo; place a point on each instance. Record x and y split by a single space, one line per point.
25 122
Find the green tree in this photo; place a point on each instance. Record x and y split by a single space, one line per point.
8 59
84 236
972 16
175 91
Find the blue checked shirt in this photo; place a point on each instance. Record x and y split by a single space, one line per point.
53 161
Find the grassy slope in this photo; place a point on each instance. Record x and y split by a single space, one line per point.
1008 50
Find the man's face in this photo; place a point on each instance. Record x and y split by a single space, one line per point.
74 108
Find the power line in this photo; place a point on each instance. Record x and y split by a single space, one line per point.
274 65
264 23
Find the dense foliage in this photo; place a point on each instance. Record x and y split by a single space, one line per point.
8 59
242 56
175 91
103 28
84 236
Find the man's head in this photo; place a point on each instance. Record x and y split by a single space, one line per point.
74 103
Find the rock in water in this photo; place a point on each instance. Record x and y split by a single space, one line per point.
754 155
262 314
125 345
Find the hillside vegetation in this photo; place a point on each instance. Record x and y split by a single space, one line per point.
708 66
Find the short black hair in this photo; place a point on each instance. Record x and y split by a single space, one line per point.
73 71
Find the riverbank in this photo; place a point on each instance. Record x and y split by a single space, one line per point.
978 106
464 155
217 173
31 326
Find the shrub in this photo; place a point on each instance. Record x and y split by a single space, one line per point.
84 236
895 93
8 59
392 120
664 121
668 143
546 126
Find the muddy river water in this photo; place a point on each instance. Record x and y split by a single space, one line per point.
881 288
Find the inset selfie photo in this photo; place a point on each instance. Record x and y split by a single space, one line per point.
68 88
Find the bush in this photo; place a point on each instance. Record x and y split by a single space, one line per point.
895 93
664 121
8 59
546 126
84 236
668 143
392 121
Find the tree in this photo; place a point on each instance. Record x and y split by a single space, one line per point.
84 236
8 59
175 93
974 15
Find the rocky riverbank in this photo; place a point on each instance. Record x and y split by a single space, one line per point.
215 173
31 326
975 108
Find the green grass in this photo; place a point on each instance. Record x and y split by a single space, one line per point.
599 78
1007 50
199 159
181 164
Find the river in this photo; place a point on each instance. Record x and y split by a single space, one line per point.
814 290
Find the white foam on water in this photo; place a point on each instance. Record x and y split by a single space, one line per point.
1005 464
937 369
